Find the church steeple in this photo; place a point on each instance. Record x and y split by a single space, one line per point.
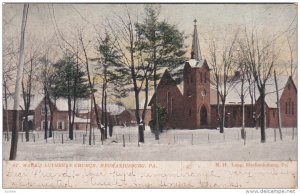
196 52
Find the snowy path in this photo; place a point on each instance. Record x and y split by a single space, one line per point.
174 145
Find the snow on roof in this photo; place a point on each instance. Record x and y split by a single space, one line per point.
34 102
271 97
61 104
234 95
195 63
114 109
81 120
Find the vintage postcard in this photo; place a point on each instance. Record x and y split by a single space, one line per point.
148 95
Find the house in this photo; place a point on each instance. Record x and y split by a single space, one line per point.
37 113
191 101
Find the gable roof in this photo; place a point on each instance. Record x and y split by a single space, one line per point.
34 102
233 96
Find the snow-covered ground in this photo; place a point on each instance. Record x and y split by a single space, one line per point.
173 145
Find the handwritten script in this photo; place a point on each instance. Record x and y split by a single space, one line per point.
185 174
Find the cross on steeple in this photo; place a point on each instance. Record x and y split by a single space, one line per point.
196 52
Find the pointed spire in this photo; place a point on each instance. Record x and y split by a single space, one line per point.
196 52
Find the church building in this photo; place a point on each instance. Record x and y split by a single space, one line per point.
190 99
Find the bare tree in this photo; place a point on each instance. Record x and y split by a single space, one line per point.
223 71
8 73
261 58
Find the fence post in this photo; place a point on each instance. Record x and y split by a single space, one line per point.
94 139
62 138
238 135
22 137
245 138
83 139
46 140
123 141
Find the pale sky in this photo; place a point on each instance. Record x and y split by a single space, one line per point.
212 18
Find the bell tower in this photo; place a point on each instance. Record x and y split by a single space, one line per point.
196 87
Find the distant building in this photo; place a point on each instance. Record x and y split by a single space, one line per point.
191 101
36 118
127 116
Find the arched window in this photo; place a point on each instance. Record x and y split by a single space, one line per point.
289 105
167 100
200 77
189 93
172 103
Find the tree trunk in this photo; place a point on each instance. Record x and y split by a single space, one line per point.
243 106
218 105
262 116
26 107
16 124
74 95
70 118
51 118
91 122
155 97
46 112
105 115
6 106
278 106
223 117
102 110
105 101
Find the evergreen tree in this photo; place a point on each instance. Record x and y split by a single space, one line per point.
162 45
69 83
